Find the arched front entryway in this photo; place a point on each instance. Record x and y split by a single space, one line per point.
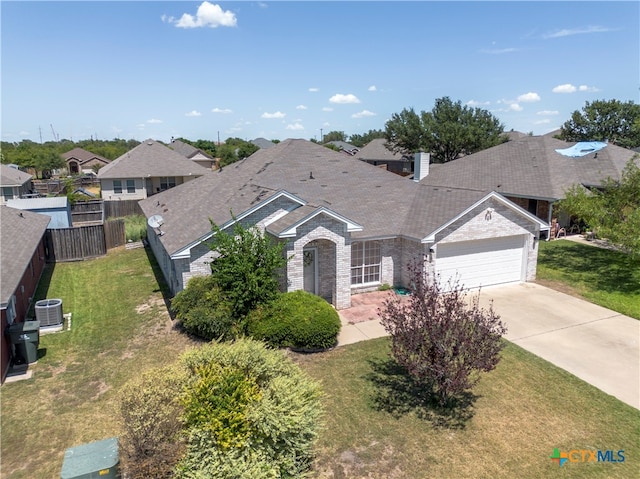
319 268
74 168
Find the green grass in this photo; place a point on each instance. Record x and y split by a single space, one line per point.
378 427
120 327
135 227
605 277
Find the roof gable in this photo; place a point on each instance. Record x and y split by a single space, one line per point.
151 158
83 156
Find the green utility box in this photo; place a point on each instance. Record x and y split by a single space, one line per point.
25 337
96 460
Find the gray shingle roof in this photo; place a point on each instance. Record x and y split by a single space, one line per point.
187 150
385 204
263 143
376 150
151 158
20 235
529 167
83 156
11 177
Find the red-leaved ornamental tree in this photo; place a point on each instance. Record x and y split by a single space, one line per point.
440 337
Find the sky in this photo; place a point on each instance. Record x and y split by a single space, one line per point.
83 70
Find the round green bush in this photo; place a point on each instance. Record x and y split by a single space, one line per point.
298 320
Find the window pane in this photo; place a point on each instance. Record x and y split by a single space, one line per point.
131 186
117 186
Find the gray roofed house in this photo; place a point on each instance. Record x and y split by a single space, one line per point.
22 260
147 169
345 147
348 226
82 161
193 153
530 172
376 153
14 183
263 143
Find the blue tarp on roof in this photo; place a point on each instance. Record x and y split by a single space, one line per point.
582 148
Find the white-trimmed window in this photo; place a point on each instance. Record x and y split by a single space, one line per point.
365 262
131 186
11 310
117 187
7 192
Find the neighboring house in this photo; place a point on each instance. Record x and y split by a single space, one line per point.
194 154
147 169
348 226
22 260
530 172
263 143
57 208
83 161
376 153
14 183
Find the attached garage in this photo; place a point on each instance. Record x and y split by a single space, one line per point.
482 262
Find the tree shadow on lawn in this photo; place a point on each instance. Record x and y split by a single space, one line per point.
607 270
398 394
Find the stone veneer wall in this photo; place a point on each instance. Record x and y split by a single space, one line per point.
503 221
322 228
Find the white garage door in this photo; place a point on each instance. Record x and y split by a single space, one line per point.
481 262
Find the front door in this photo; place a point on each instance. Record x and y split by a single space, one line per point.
310 269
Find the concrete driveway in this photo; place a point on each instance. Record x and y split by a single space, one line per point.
598 345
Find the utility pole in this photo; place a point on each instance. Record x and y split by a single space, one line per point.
321 136
40 130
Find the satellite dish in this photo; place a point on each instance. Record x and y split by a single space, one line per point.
156 221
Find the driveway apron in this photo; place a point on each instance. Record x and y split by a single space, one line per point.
597 345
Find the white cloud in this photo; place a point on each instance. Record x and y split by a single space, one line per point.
363 113
193 113
474 103
566 88
567 32
154 120
207 15
372 88
301 107
542 122
529 97
221 110
313 89
277 114
294 126
587 88
344 99
515 107
548 112
327 108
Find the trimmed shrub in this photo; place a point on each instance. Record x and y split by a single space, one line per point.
151 412
204 311
250 413
298 320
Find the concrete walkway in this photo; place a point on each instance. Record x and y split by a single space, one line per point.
597 345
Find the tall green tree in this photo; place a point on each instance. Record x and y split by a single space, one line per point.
448 131
246 267
333 136
362 140
612 212
603 120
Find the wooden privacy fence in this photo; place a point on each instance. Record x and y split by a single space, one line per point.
87 211
83 242
118 209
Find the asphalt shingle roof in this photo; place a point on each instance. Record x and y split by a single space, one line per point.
376 150
385 204
186 150
83 155
151 158
11 177
20 235
529 167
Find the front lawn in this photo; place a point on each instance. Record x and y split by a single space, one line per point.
605 277
518 414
